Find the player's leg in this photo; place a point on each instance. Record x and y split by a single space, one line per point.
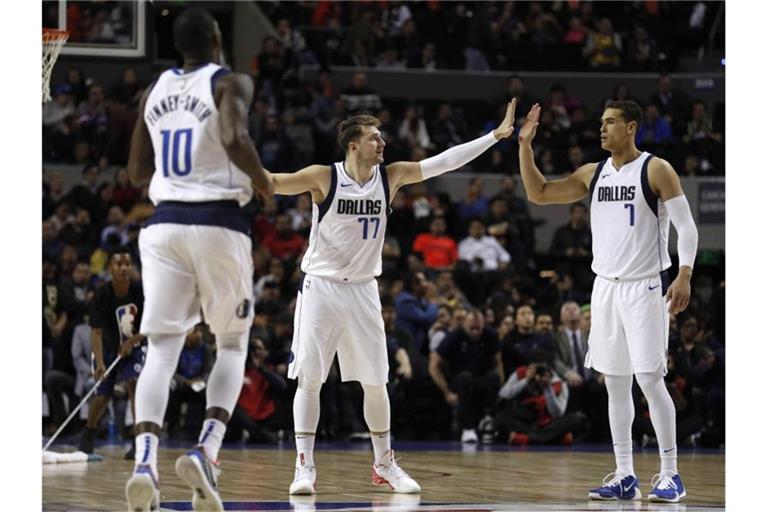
223 272
315 337
306 415
130 385
363 357
647 334
151 398
166 318
608 354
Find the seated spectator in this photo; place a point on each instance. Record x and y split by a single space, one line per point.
359 97
543 325
255 413
275 148
446 131
474 203
588 394
467 370
672 103
533 411
437 249
603 49
285 243
572 246
700 137
654 132
481 251
448 293
642 52
188 386
124 194
55 111
416 307
413 129
522 342
440 328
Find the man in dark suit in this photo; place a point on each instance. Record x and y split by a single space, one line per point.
586 386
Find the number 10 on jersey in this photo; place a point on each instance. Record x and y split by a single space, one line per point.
177 145
364 221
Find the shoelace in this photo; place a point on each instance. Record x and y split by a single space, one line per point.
395 470
304 472
663 482
611 479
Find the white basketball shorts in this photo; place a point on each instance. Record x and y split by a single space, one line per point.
630 327
343 318
189 267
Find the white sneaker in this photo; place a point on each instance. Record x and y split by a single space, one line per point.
468 435
141 490
201 474
391 474
304 481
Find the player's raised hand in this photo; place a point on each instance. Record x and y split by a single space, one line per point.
507 126
678 295
528 130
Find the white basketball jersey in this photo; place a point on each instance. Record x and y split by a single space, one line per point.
183 121
630 226
348 228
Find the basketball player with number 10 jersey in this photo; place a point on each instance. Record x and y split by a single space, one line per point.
338 310
634 195
191 139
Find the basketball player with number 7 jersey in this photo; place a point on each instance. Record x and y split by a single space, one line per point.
191 139
634 195
338 309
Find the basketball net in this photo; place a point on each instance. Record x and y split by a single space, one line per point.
53 40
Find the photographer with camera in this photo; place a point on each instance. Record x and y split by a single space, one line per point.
532 410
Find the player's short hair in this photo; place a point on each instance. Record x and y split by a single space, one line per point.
350 129
193 31
630 111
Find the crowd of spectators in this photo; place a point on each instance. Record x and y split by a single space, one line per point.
482 36
485 337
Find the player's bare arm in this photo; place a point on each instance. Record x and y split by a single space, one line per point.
141 158
233 96
666 184
315 179
538 189
407 173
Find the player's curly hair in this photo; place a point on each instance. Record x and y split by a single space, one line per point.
350 129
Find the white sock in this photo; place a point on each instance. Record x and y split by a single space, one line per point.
211 436
376 412
306 414
381 447
621 413
146 451
305 446
662 410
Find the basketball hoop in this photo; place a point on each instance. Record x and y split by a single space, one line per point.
53 40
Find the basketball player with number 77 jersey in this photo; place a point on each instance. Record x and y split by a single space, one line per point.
338 309
633 195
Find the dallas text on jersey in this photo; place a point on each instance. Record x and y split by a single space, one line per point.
191 104
616 193
359 207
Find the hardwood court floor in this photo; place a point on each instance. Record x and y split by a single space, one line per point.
473 478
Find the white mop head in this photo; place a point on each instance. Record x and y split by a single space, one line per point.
62 458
